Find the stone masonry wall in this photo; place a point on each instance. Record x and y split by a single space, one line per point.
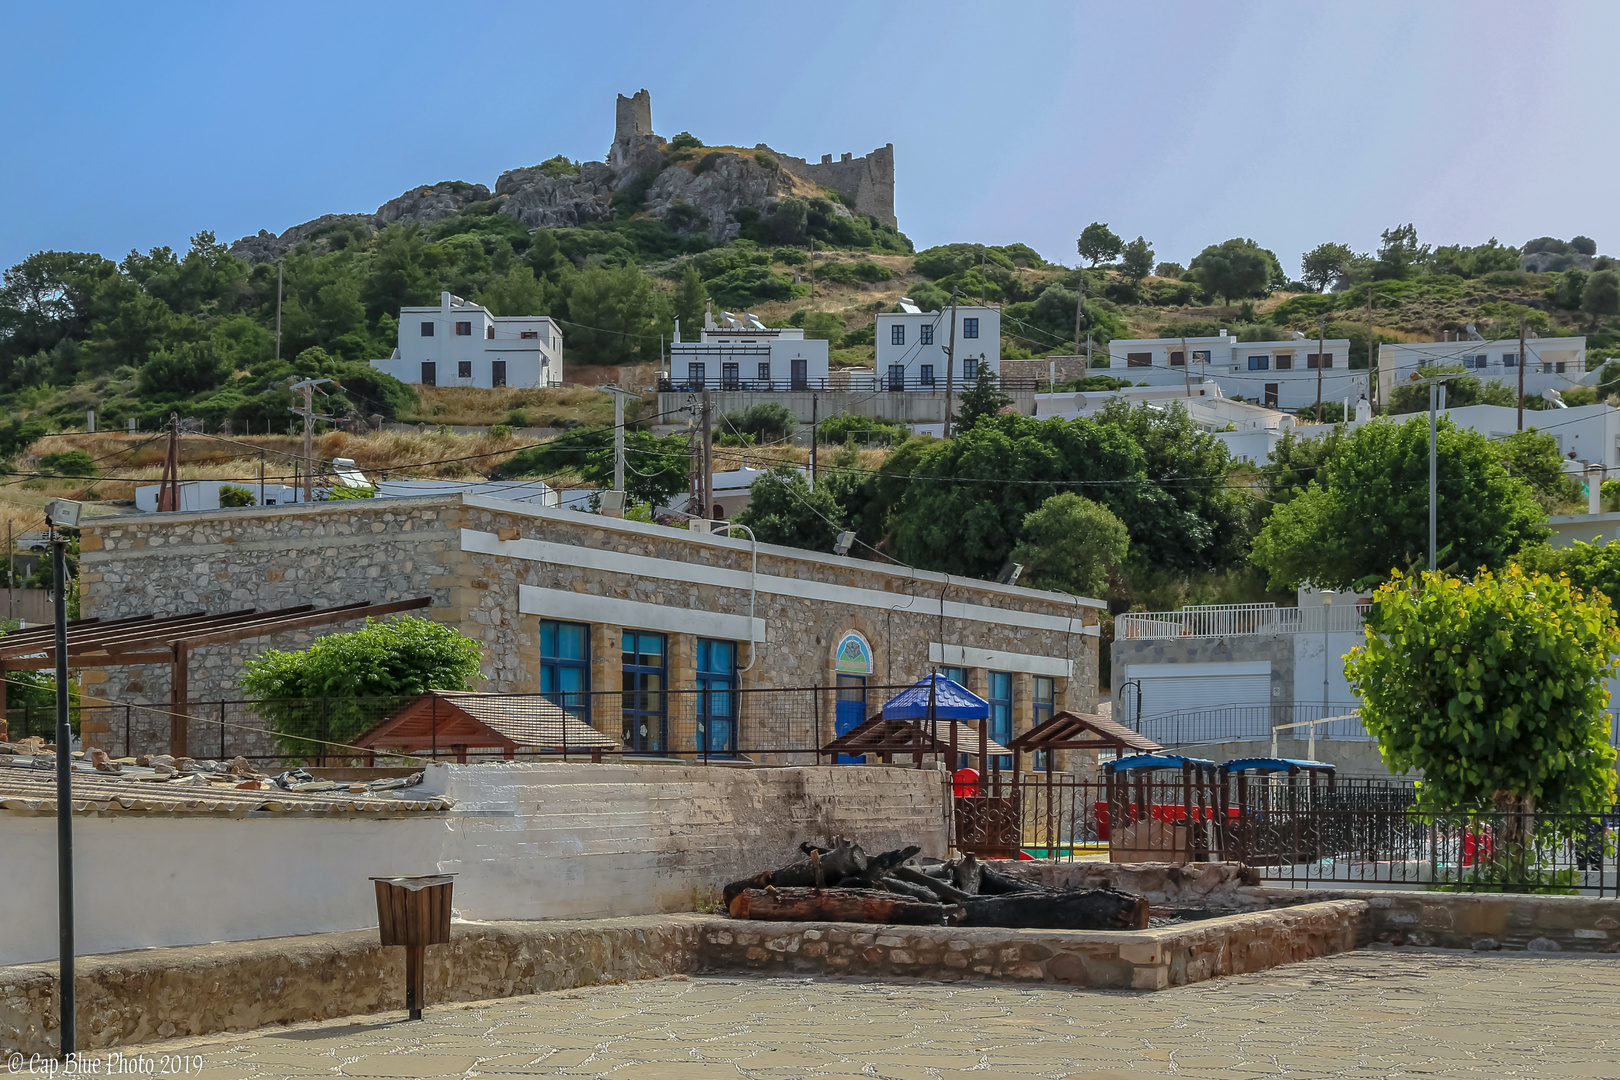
381 550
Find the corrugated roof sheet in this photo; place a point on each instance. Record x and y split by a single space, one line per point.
28 790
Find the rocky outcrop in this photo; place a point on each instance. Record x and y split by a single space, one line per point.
556 202
422 205
711 199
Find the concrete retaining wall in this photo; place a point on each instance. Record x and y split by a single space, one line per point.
1482 921
527 841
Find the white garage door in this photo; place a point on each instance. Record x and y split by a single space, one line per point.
1189 690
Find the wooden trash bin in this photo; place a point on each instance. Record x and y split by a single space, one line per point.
414 912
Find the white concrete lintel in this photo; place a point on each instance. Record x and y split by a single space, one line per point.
571 606
999 660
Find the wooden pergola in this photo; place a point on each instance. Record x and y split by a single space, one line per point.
147 639
1080 731
887 736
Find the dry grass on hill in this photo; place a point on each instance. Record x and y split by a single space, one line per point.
467 405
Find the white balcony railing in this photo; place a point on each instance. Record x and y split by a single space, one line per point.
1236 620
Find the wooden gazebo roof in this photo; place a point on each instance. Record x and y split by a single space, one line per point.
449 721
892 735
1083 731
169 640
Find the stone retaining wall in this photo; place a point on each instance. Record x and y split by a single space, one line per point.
1474 920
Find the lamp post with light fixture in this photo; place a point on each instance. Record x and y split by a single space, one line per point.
1434 383
63 514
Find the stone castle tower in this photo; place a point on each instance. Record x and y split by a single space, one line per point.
632 127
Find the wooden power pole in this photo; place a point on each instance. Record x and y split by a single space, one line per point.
169 486
950 367
1521 373
308 412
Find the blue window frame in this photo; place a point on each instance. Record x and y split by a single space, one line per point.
925 335
897 334
427 329
1510 359
645 664
1000 698
764 371
1259 363
565 665
1043 696
695 373
717 696
925 374
897 376
970 370
970 328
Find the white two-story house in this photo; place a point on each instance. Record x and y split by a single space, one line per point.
742 353
1276 374
459 343
1554 363
912 344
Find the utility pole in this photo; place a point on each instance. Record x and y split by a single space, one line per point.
278 308
1321 361
619 394
950 366
1521 373
1433 517
812 268
706 480
1079 310
1372 346
308 412
1186 365
169 486
64 803
815 436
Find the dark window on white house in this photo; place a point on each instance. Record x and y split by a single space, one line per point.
925 335
463 329
526 335
430 373
970 328
897 334
463 369
497 373
427 329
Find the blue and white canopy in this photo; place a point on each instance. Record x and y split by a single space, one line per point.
952 701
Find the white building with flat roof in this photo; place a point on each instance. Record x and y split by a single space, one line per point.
1275 374
911 346
459 343
1554 363
742 353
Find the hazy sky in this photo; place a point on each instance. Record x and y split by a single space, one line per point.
133 125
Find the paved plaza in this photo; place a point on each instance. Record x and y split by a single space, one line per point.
1367 1014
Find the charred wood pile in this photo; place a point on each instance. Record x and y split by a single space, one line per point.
843 883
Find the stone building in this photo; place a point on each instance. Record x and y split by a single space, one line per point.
647 631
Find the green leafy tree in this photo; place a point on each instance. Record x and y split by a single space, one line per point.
1534 457
1601 297
362 673
1098 243
516 292
1136 261
1236 269
1326 264
984 398
184 369
1169 270
1493 687
1071 545
1400 256
825 326
402 271
690 297
766 422
68 463
615 316
1367 510
783 510
1569 289
685 141
231 495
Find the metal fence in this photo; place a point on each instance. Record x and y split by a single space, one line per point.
715 724
1233 723
1236 620
855 379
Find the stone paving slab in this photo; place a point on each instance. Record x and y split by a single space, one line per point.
1362 1015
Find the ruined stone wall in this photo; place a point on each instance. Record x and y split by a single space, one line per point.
632 115
494 569
867 182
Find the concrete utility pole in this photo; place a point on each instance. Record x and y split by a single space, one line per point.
1521 373
1321 361
1433 517
619 394
278 309
1186 365
815 436
1079 316
706 480
1372 345
308 412
950 366
812 268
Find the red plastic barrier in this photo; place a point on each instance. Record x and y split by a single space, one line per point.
1476 846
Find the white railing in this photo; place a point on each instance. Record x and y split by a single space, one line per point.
1235 620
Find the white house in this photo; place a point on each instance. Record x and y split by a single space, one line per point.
742 353
1276 374
1554 363
459 343
911 346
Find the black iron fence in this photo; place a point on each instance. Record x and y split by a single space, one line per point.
859 379
1248 723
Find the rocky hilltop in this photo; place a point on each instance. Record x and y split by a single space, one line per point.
690 189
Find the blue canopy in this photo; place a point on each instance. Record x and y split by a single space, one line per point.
1276 764
1155 761
952 701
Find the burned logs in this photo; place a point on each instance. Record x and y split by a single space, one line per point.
845 884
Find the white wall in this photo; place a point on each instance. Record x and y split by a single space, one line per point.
527 841
721 347
529 362
1397 362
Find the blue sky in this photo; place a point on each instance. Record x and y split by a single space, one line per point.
137 125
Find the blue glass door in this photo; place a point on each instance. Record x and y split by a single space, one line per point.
717 697
645 673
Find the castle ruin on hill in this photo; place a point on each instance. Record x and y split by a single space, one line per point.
670 187
866 183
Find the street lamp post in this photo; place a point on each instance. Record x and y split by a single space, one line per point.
1434 383
1327 610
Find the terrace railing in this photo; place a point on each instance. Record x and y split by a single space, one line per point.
1237 620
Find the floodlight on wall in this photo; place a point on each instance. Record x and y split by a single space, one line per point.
63 514
845 541
612 503
1010 573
